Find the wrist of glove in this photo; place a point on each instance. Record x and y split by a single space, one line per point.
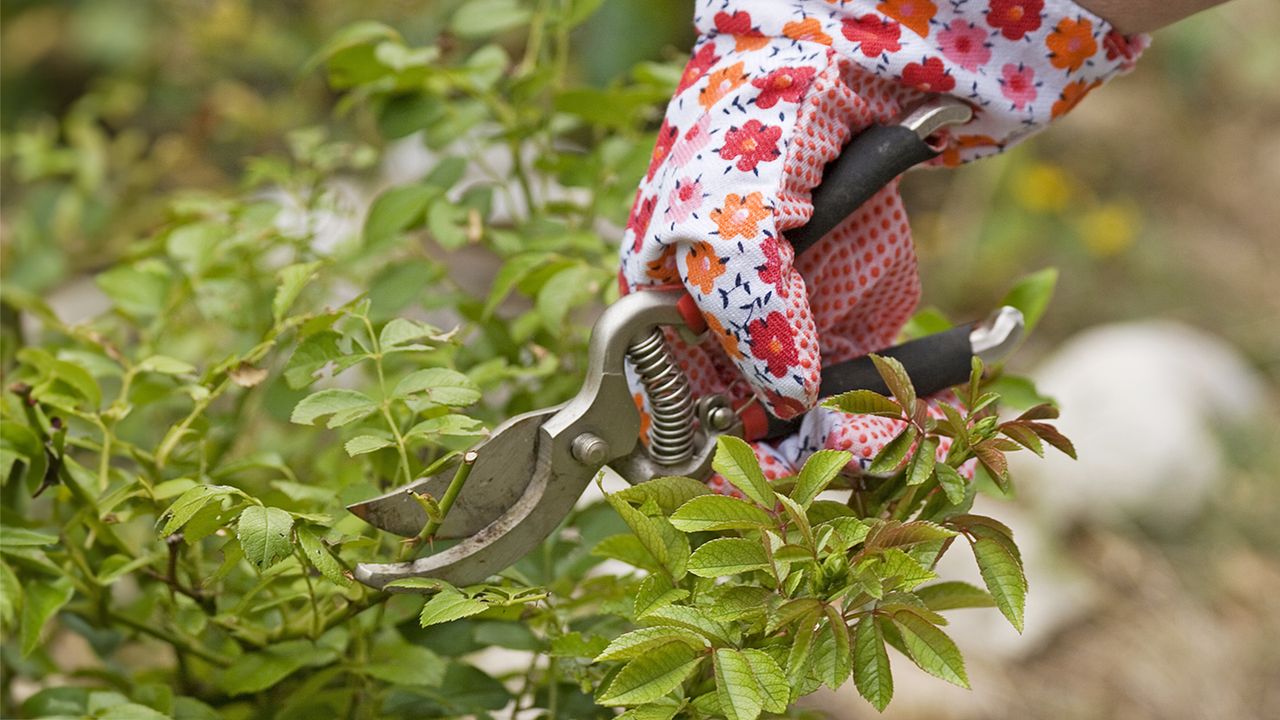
772 93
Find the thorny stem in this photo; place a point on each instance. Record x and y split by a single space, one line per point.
386 403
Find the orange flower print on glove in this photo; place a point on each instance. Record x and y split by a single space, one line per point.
1071 43
702 267
740 217
721 83
914 14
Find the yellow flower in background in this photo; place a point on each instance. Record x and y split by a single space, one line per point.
1044 188
1110 229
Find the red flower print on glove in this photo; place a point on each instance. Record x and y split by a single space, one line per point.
915 14
773 340
964 44
787 84
1071 43
738 24
667 135
1018 84
752 144
641 214
740 217
874 34
771 271
931 76
698 65
1015 18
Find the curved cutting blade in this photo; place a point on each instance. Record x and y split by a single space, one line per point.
503 469
556 481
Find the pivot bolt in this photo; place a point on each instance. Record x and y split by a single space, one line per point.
721 418
590 449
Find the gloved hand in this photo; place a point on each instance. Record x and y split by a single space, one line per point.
772 93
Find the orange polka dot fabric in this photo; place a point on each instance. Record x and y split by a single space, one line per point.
773 91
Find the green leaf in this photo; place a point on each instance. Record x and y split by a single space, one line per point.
482 18
640 642
1031 294
902 571
801 652
364 32
41 602
565 290
165 365
840 664
691 619
10 595
892 455
953 595
669 492
740 697
576 645
293 279
400 331
1004 577
735 460
799 520
951 482
719 512
138 290
819 470
871 671
450 424
628 549
264 534
320 557
922 463
727 556
848 531
312 355
865 402
448 605
406 664
651 676
441 386
769 679
513 271
396 210
930 648
645 528
23 537
191 502
362 444
344 406
896 379
657 591
257 671
652 711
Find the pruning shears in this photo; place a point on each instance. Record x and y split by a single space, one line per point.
525 478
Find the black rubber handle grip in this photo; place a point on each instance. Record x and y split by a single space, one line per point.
876 156
934 363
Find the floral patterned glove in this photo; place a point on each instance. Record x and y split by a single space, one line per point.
772 93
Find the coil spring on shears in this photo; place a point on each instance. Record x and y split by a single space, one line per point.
670 399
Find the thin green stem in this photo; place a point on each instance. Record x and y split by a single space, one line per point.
451 492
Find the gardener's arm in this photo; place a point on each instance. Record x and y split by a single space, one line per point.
1139 16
